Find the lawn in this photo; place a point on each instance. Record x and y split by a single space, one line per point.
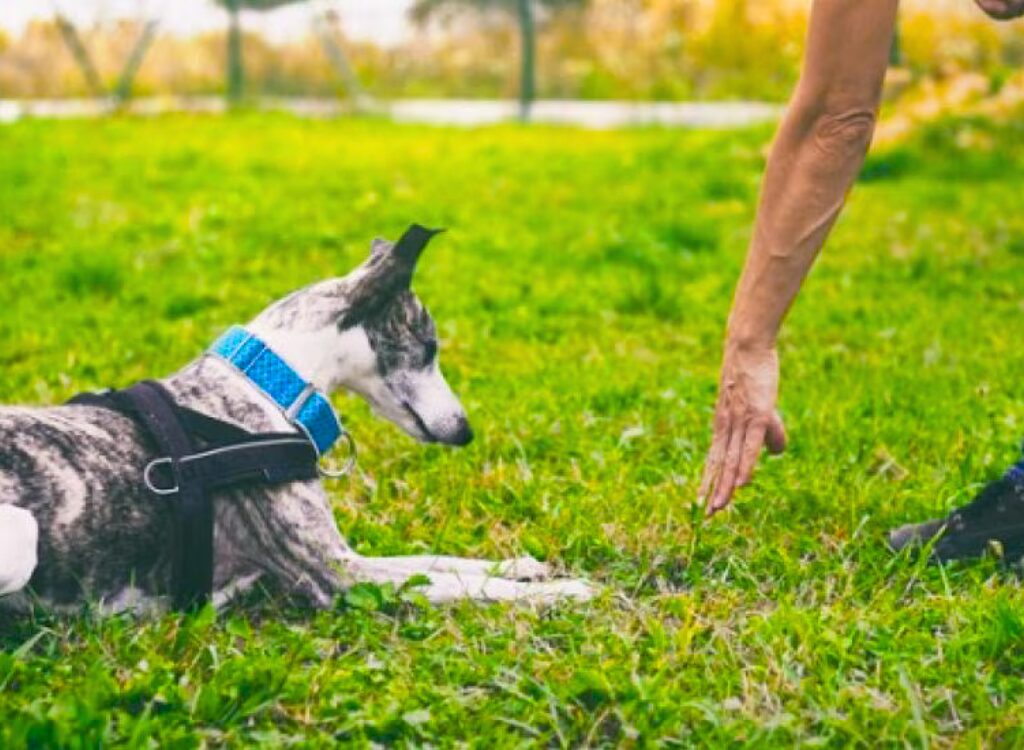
580 294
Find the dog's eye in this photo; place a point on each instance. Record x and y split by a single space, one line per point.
430 350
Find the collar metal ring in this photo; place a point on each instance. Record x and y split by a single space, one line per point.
350 462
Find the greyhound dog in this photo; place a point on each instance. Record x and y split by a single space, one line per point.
78 525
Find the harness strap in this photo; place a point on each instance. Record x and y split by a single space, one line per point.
187 471
193 554
271 461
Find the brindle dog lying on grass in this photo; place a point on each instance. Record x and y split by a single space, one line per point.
77 523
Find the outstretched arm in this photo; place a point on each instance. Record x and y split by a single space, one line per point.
816 155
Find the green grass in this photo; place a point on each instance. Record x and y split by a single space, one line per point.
581 294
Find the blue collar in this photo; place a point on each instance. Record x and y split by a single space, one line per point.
301 402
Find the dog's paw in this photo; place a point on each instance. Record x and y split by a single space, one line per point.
524 569
561 589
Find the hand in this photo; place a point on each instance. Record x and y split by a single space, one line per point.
1002 9
745 421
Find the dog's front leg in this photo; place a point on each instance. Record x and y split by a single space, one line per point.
300 547
473 584
289 536
516 569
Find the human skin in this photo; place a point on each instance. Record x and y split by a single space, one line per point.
816 155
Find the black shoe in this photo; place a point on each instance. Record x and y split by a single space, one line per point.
993 521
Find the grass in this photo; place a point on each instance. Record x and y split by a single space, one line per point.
581 294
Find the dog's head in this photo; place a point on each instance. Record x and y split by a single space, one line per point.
369 333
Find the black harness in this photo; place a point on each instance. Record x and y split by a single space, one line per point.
199 454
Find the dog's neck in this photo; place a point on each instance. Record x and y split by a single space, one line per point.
329 359
311 355
214 387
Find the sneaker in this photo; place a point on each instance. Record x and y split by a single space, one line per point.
993 521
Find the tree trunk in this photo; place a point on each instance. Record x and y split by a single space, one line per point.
527 74
134 62
74 43
326 27
236 70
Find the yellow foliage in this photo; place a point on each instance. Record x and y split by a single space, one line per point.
629 49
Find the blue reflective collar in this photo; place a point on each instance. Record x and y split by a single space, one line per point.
301 402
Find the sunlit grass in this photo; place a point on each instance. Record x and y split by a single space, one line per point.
581 295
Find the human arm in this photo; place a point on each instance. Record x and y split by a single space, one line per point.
815 158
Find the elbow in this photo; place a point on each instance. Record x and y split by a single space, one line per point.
844 132
836 119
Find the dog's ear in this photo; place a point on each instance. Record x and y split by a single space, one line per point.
387 272
411 245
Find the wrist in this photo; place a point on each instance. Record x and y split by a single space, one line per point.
738 339
749 326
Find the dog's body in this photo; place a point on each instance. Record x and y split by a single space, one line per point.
78 525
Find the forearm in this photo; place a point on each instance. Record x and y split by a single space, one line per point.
805 185
816 156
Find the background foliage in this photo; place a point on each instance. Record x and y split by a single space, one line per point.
622 49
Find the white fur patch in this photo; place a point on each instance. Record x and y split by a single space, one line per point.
329 358
132 599
73 495
452 579
19 538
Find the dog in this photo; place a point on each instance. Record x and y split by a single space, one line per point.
77 524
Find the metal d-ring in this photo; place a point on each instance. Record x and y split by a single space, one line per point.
147 477
350 462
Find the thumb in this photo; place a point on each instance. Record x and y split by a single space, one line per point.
775 435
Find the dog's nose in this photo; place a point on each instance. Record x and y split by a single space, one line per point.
463 433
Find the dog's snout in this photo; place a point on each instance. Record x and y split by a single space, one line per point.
463 433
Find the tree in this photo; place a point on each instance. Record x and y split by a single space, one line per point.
83 59
236 66
123 91
424 10
327 27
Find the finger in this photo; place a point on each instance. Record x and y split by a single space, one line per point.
752 445
776 435
713 463
712 468
726 480
727 477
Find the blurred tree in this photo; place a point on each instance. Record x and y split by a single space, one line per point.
424 10
328 28
81 55
236 67
123 91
